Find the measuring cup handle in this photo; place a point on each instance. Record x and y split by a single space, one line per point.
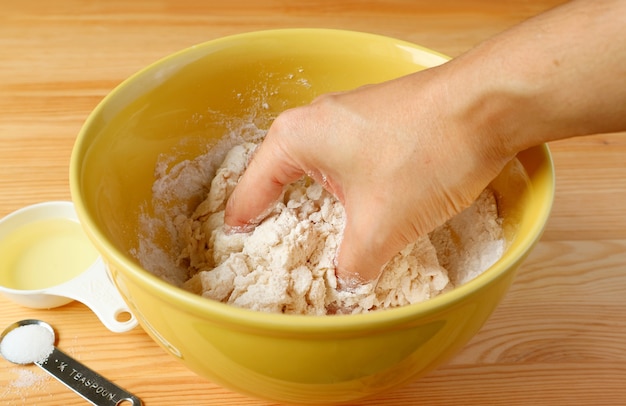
95 289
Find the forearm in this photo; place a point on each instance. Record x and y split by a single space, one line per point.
558 75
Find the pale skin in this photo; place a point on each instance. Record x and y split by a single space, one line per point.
406 155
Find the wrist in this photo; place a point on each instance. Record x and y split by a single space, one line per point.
549 78
484 112
504 108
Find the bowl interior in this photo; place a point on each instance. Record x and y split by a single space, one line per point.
184 104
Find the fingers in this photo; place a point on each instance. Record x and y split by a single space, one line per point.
270 169
356 263
366 246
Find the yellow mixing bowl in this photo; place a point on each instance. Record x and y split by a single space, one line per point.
174 105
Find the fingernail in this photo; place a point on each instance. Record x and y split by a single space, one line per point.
351 283
242 229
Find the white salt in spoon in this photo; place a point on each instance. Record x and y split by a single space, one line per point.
32 342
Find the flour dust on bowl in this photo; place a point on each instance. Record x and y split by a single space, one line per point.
187 105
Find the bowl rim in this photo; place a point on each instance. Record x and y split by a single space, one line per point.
287 323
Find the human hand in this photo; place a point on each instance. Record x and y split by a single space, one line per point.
394 154
406 155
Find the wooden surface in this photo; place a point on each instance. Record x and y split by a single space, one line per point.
559 337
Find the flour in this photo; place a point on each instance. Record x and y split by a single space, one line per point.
285 265
177 190
472 241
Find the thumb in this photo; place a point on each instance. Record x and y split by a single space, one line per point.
269 170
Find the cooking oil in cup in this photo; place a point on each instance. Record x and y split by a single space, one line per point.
46 261
44 253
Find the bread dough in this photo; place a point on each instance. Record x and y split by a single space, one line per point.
286 264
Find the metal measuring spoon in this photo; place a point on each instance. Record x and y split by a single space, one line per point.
89 384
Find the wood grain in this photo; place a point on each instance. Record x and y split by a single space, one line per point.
557 339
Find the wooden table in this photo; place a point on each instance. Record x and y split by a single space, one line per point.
559 337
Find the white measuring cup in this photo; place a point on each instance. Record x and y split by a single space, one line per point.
38 245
